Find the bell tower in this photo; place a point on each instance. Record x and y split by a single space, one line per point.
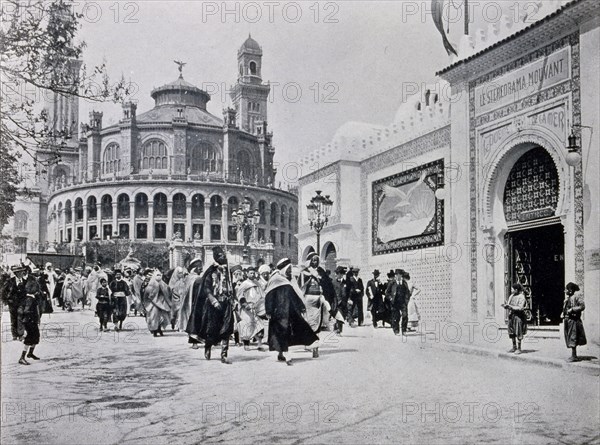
250 94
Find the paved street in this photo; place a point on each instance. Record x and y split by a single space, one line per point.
368 386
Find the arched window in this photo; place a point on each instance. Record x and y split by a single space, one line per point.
106 205
262 209
232 204
154 156
123 206
291 219
160 205
203 158
532 184
141 205
253 68
91 205
21 218
216 207
283 216
78 209
198 207
241 70
68 212
273 214
111 161
179 205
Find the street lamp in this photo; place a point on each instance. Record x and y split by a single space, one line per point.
246 220
573 156
319 211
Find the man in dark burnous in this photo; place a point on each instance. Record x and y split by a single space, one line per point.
285 309
212 318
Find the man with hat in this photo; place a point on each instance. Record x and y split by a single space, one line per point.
356 291
285 309
397 293
15 299
341 299
375 291
120 291
211 319
238 275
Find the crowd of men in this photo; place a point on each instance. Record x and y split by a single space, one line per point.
214 304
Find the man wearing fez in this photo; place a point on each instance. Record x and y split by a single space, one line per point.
285 309
398 294
211 319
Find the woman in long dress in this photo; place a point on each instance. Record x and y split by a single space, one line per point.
157 302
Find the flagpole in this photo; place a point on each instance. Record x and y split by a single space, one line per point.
466 3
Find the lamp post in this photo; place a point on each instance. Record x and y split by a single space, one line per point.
319 211
246 220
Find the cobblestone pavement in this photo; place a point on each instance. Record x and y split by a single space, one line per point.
367 386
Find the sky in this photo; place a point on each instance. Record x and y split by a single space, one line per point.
328 62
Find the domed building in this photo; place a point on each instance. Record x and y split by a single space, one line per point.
174 173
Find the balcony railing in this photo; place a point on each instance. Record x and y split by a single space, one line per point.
201 177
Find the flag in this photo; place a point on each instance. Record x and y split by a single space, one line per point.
437 7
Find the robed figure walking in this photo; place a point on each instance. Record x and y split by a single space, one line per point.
212 318
285 309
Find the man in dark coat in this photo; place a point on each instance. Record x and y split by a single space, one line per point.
284 307
14 296
375 291
398 294
120 291
212 312
340 311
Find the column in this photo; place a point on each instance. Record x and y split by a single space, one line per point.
188 220
268 225
169 220
64 224
132 220
224 222
115 224
85 223
150 221
99 220
73 226
206 234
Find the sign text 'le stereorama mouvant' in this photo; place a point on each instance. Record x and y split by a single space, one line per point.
513 86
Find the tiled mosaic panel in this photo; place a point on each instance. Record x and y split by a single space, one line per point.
431 275
532 184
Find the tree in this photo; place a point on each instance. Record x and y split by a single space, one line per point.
40 57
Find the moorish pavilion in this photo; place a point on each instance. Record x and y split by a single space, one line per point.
500 187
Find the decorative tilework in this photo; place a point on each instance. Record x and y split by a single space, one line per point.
572 86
